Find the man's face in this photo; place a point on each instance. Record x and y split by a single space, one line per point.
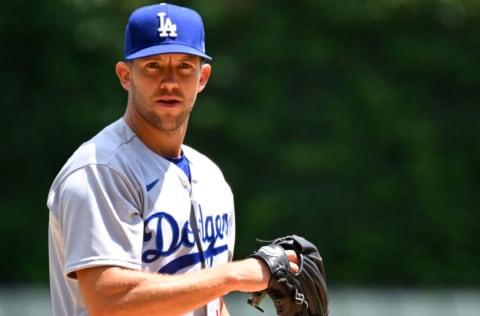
163 88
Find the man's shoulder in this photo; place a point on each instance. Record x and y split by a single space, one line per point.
196 157
102 149
104 144
201 162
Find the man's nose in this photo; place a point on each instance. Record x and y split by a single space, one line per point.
169 79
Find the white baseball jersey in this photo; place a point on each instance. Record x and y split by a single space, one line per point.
117 203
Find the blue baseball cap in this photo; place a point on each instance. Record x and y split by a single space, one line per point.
164 29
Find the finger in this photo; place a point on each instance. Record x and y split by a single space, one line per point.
294 267
294 261
292 256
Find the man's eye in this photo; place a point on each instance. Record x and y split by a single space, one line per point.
152 65
185 66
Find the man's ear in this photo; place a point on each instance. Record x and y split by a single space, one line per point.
204 75
123 73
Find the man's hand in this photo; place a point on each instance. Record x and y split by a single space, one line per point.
297 285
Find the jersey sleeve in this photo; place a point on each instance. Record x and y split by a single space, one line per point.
99 213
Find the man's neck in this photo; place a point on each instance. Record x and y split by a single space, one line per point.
164 143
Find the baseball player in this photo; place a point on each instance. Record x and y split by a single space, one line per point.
139 223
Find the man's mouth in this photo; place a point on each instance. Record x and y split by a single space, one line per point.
168 102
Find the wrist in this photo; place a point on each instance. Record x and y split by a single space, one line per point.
248 275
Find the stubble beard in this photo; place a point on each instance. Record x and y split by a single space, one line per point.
164 123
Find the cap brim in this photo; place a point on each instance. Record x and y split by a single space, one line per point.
167 49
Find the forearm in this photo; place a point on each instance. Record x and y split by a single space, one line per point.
117 291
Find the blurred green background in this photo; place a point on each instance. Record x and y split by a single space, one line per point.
353 123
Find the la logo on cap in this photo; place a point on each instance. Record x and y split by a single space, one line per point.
167 28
